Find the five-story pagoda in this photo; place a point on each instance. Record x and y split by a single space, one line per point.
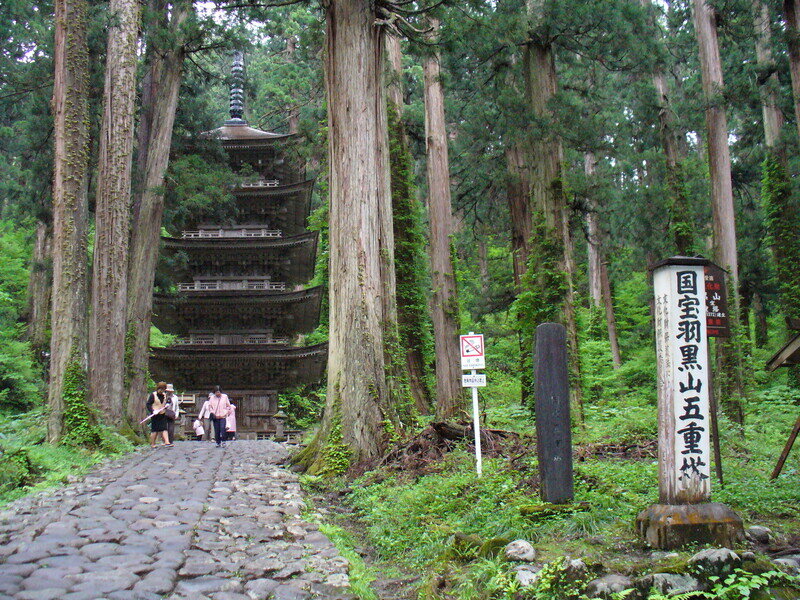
240 305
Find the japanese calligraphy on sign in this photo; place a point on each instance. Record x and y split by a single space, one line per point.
681 346
716 302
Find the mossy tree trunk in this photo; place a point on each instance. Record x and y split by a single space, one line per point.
783 224
729 352
70 206
450 400
359 411
107 324
545 156
159 101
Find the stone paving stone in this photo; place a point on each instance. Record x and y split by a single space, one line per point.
194 522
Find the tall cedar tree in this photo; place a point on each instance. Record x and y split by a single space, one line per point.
545 156
731 385
70 210
449 395
164 62
599 284
359 411
112 215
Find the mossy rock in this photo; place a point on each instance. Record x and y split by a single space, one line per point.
758 566
493 547
777 593
676 565
463 547
535 512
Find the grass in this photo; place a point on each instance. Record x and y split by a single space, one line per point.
28 463
409 519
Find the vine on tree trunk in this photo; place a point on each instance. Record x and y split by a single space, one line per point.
783 227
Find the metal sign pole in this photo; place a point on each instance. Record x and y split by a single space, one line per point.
476 426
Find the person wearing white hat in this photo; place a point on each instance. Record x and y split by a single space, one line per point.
172 412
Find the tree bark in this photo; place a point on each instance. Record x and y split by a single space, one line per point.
547 191
112 216
159 102
39 289
449 397
599 285
70 204
518 192
791 15
394 55
768 76
359 405
723 216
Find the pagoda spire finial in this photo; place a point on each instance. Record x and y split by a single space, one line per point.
237 87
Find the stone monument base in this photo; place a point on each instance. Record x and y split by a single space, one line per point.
668 526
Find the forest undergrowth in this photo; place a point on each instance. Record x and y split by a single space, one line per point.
425 511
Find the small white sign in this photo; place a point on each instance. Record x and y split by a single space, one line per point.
477 380
472 352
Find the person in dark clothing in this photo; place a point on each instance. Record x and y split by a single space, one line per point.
156 405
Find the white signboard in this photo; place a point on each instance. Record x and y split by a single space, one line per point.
682 358
468 380
472 352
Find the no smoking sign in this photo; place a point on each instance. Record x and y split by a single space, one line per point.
472 352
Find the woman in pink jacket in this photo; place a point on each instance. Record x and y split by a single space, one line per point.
230 424
219 407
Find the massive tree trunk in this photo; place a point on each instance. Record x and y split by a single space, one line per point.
159 101
599 285
39 289
724 224
70 209
449 397
112 215
547 191
359 409
791 15
409 242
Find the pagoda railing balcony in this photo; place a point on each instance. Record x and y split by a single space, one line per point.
259 183
199 339
202 286
244 232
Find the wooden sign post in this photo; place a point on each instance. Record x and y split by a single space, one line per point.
553 433
684 513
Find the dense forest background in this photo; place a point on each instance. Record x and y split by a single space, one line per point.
624 120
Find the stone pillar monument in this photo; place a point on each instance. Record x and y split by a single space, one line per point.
684 513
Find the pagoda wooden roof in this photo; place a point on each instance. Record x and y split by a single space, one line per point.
285 313
239 367
238 131
288 259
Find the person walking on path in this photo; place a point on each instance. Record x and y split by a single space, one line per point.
157 405
219 406
198 430
230 424
172 412
205 413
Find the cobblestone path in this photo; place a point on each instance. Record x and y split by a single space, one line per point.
190 522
